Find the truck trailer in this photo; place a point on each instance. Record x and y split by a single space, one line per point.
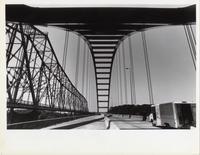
173 115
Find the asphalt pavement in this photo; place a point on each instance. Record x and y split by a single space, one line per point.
98 125
110 122
123 122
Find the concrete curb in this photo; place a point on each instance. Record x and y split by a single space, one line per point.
74 123
109 124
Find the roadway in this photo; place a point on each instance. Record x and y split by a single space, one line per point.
112 122
123 122
98 125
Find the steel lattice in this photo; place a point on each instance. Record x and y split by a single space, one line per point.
35 78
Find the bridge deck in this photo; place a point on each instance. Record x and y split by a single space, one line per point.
133 123
117 122
98 125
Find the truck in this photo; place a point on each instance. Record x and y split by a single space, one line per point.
173 115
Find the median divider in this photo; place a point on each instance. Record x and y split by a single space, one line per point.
109 124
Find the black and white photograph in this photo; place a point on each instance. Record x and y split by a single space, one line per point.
100 77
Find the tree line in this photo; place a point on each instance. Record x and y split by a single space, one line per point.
144 109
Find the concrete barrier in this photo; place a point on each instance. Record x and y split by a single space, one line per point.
42 123
109 124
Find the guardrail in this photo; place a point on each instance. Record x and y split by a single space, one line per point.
109 124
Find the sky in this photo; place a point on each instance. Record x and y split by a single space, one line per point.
172 72
171 67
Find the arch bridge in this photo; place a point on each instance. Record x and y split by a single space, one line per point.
103 28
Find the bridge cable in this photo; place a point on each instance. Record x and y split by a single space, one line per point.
87 76
77 63
89 73
83 74
192 34
117 80
147 68
62 101
115 87
133 94
189 44
90 92
191 41
124 68
65 50
120 77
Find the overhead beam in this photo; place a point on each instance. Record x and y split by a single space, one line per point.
26 14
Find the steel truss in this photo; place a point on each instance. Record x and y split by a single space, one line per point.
35 79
